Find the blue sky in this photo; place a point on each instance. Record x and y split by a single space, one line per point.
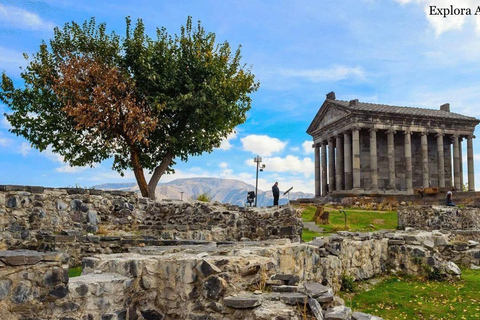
380 51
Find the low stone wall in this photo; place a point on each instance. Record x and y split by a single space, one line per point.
243 280
197 261
42 219
216 222
438 218
31 280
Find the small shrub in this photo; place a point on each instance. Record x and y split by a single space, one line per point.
75 272
433 273
204 198
102 229
348 284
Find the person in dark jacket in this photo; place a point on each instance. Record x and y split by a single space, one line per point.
276 193
448 199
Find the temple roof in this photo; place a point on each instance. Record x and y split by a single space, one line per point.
398 110
333 110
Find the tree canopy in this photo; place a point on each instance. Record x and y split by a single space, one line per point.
143 101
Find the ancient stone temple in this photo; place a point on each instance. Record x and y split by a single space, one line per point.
366 148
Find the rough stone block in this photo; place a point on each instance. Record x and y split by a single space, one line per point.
92 217
284 288
338 313
245 302
293 298
315 289
5 286
214 287
20 257
364 316
206 268
316 308
22 292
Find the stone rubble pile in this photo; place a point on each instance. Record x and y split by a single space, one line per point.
148 260
275 279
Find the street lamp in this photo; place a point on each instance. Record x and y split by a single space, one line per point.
258 160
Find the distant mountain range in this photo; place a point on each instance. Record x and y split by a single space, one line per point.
221 190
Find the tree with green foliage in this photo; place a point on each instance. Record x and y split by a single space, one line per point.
145 102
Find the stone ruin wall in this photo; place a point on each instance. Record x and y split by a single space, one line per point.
83 222
438 217
191 281
169 268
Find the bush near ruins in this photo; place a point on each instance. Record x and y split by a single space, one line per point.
204 197
145 102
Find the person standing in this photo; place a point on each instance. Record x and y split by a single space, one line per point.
448 199
276 193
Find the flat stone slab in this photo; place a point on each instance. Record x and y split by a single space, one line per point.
293 298
98 278
315 289
364 316
242 302
284 288
20 257
338 313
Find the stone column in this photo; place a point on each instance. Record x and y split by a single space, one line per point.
373 159
347 151
425 175
340 175
324 169
331 165
391 159
356 157
408 162
456 162
317 171
441 161
460 158
471 175
449 161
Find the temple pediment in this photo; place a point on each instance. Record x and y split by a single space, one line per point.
328 114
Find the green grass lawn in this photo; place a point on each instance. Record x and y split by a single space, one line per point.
413 298
357 220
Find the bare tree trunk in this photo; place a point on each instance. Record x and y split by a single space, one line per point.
138 171
157 174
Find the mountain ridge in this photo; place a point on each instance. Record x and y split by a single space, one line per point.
218 189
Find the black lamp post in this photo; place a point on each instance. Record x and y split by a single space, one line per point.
258 160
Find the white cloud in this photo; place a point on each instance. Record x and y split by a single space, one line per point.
55 157
462 100
25 148
103 176
68 169
289 164
65 168
307 147
443 24
4 142
22 19
223 165
334 73
262 145
226 145
4 123
11 61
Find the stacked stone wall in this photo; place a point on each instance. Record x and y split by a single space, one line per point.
88 221
438 218
185 281
197 261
